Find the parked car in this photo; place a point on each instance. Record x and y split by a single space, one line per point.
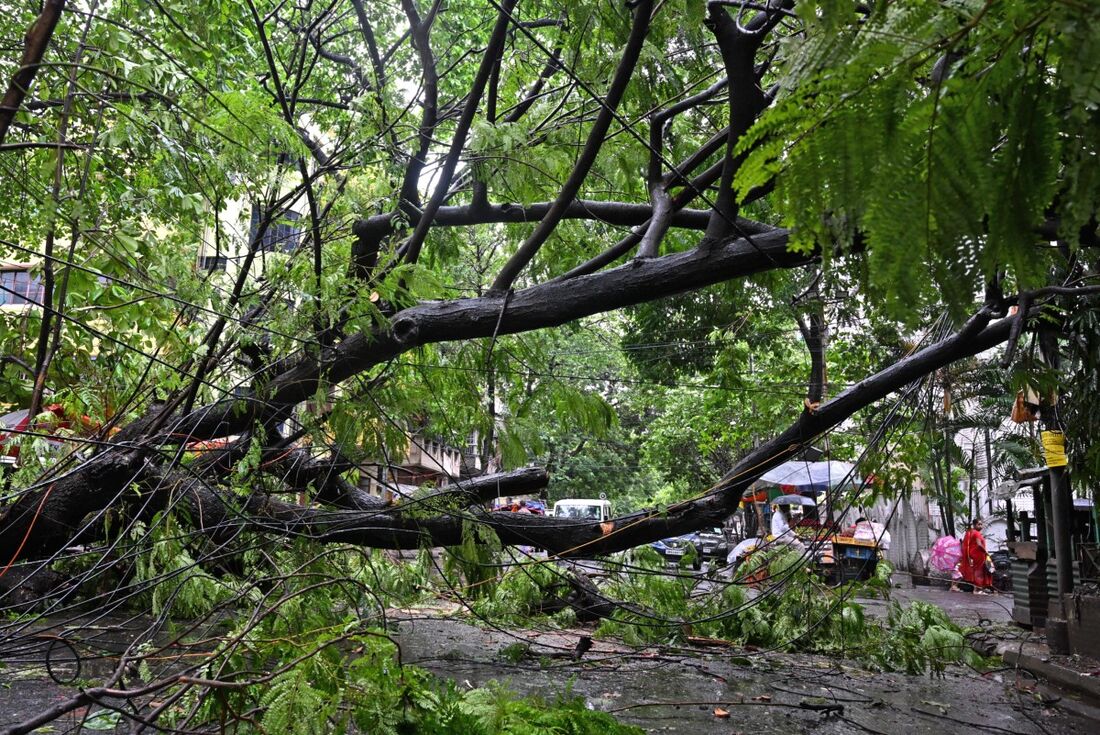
672 549
713 543
709 543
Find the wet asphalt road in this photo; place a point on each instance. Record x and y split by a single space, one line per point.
679 691
666 691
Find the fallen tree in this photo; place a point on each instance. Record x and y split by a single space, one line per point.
43 522
73 503
374 192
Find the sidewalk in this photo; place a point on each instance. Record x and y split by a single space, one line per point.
1073 678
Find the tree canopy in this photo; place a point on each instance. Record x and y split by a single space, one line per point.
455 214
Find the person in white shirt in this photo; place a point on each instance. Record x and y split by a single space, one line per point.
781 533
780 524
781 528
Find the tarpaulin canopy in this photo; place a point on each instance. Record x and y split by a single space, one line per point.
11 425
805 477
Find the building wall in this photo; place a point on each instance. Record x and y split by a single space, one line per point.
225 247
426 462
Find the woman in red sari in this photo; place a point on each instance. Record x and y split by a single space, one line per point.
974 564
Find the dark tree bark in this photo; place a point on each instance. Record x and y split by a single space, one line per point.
44 520
612 213
36 43
538 307
738 46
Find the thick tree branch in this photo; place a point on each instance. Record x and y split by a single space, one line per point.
458 142
621 214
560 536
578 538
42 521
545 305
482 489
596 137
37 40
301 471
813 334
367 31
738 47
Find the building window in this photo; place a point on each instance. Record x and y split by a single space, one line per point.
283 234
18 287
213 262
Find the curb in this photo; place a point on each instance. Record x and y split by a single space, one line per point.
1086 687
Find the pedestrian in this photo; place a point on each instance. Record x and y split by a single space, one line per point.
956 575
781 528
780 524
975 564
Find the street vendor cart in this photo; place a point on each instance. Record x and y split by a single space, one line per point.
854 559
839 556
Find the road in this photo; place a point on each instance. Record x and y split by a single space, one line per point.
678 690
964 608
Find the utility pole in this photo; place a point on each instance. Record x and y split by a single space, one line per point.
1061 498
971 506
948 485
948 442
988 472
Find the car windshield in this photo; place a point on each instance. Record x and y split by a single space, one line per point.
580 512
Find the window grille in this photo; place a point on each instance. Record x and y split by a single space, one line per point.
18 287
283 233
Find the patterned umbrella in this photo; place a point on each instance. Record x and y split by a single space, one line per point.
945 553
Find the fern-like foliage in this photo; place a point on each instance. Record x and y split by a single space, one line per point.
294 707
473 564
173 579
939 134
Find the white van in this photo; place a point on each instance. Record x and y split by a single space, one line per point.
580 509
